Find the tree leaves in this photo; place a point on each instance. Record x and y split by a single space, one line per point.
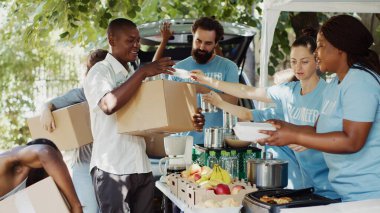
36 28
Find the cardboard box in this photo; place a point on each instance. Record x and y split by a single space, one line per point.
155 145
172 182
159 106
41 197
73 128
192 194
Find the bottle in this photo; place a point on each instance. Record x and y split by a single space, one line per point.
227 162
222 159
212 159
248 156
234 164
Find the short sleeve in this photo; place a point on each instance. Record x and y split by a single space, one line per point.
267 114
360 98
97 84
232 74
275 92
73 96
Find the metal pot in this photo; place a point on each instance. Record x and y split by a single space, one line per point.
267 173
214 137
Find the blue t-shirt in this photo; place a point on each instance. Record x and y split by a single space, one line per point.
357 98
220 68
299 109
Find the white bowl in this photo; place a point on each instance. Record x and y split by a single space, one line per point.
249 131
234 142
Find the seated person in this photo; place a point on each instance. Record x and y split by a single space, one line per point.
25 165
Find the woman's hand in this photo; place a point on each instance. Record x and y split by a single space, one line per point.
213 98
166 33
47 119
200 77
284 134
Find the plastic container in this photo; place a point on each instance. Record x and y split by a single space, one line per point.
234 164
212 159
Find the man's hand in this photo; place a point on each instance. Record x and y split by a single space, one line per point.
284 134
213 98
199 120
46 118
160 66
166 33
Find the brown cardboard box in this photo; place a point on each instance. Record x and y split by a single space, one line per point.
159 106
73 127
192 194
41 197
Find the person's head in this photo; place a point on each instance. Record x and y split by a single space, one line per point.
124 39
302 58
343 39
207 32
94 57
37 174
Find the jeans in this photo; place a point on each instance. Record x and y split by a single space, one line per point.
83 187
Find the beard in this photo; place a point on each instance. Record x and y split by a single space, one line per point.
201 56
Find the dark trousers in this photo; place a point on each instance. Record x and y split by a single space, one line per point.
123 193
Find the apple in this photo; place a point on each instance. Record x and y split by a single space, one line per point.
235 190
197 176
222 189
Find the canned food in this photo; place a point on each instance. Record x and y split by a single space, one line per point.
207 107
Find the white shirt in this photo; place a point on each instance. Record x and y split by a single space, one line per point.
112 152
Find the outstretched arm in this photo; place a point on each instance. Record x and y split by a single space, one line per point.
350 140
166 33
44 156
234 89
241 112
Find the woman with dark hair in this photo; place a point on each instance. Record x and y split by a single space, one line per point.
77 159
297 102
348 129
26 165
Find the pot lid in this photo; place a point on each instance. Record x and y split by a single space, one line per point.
268 161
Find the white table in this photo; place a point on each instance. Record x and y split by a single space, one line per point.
164 188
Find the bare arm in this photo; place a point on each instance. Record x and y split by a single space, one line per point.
69 98
226 97
350 140
118 97
234 89
43 156
46 118
166 33
241 112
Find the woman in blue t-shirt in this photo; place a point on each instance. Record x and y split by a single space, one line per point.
348 129
297 102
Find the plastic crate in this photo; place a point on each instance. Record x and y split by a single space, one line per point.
201 154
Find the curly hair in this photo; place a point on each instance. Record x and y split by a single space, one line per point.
210 24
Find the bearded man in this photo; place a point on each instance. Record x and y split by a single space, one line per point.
207 32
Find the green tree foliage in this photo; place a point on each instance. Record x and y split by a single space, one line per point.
33 30
21 64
